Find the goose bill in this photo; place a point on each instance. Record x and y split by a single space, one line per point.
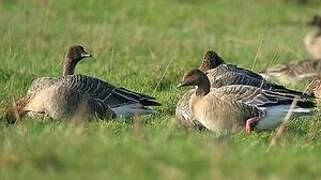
85 55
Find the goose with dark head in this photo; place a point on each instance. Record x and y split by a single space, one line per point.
210 61
196 78
73 56
236 106
61 97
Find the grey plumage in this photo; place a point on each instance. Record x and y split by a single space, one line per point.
229 74
294 71
63 97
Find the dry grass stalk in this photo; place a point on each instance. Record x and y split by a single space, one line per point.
283 126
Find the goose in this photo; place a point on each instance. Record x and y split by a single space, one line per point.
232 109
294 71
312 40
221 75
63 97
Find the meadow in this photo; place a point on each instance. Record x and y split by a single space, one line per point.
146 46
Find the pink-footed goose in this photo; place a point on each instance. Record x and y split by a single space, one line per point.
312 40
294 72
63 97
231 109
222 75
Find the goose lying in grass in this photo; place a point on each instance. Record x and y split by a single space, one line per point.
63 97
294 71
312 40
237 106
221 75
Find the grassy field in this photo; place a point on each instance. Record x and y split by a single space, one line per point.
146 46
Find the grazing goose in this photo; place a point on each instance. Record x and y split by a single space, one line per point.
294 71
312 40
62 97
235 107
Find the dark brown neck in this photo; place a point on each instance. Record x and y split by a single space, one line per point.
204 86
69 68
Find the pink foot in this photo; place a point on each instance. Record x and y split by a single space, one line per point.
249 122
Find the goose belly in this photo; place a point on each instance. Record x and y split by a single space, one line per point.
218 119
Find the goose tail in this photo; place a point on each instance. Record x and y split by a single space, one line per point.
142 99
275 116
131 109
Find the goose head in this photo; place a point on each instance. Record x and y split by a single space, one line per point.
196 78
315 21
74 55
210 61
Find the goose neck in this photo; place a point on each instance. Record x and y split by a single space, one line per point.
69 68
203 88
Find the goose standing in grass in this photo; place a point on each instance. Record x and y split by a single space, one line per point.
312 40
65 96
294 71
263 110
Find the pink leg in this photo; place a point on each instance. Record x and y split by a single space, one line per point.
249 122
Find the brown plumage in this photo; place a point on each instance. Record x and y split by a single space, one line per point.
232 107
210 61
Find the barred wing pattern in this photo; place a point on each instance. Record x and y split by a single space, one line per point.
107 93
225 75
260 97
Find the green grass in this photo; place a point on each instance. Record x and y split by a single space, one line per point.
146 46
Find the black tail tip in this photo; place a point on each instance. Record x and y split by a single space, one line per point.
151 103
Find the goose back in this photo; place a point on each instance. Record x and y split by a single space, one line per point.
223 76
62 100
